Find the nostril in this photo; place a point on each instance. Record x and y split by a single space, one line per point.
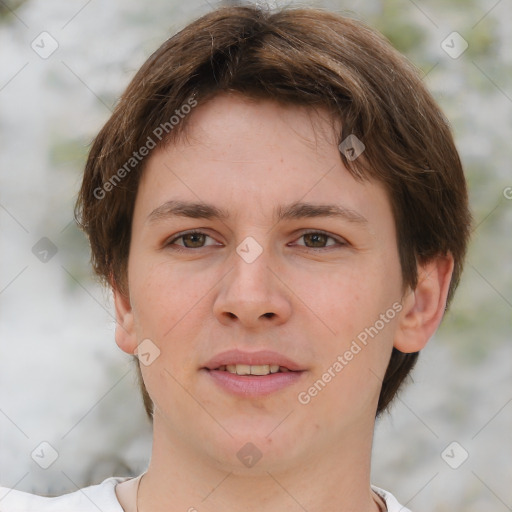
269 315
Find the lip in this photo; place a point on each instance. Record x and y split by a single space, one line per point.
251 385
260 357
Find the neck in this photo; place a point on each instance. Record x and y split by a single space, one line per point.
179 478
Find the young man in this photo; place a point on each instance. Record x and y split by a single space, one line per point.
279 208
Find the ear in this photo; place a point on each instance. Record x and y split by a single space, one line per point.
423 307
125 332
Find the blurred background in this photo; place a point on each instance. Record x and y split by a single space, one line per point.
446 444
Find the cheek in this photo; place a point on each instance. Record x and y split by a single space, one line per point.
343 301
167 304
172 307
357 312
164 296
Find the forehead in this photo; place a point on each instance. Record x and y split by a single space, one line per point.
255 155
230 118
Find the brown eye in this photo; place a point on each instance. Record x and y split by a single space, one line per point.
316 239
189 240
193 240
320 240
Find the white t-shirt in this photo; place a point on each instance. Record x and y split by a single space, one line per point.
103 497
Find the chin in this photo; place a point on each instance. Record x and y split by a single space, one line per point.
255 451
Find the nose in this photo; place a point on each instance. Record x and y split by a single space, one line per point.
253 295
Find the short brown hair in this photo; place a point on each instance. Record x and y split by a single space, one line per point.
295 56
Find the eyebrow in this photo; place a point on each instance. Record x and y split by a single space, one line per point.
297 210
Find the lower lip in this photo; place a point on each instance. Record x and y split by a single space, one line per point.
249 386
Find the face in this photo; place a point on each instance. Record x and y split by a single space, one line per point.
301 272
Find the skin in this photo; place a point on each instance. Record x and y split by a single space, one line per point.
247 156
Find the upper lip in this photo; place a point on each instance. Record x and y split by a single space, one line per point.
259 357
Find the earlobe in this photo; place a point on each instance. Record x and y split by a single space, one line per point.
423 307
125 332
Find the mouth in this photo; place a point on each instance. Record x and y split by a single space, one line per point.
253 374
255 370
261 362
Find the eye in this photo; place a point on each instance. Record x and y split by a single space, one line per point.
197 240
319 239
190 240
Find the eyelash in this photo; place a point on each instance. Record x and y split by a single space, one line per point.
180 248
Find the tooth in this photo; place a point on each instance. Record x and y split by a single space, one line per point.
257 369
260 369
283 369
243 369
